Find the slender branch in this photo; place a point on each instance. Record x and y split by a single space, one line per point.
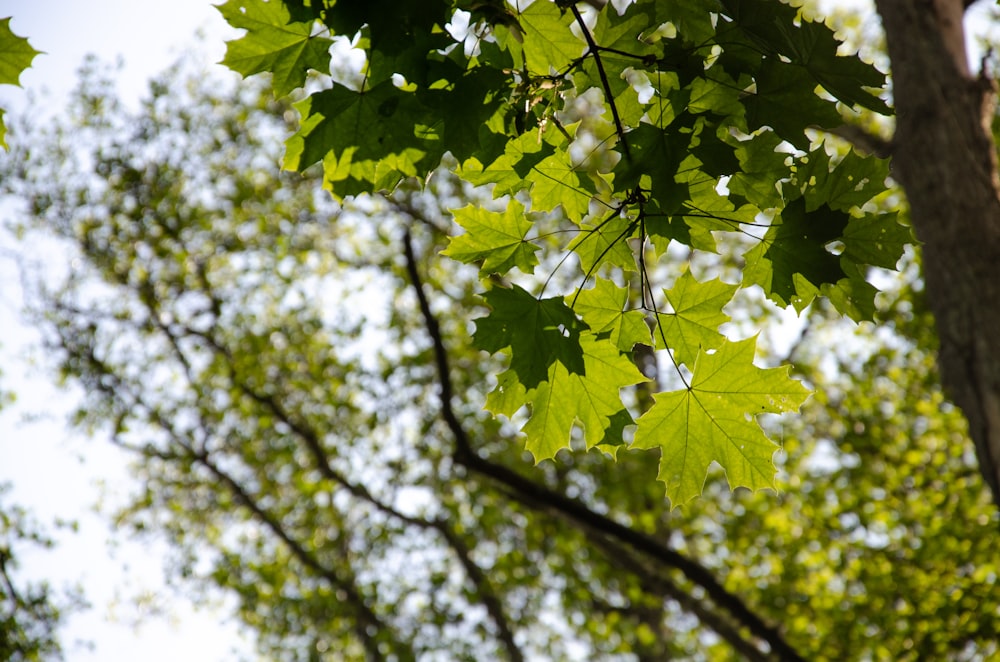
312 440
864 140
10 590
463 449
368 624
595 51
539 497
473 571
486 592
655 582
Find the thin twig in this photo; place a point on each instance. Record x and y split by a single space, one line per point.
595 51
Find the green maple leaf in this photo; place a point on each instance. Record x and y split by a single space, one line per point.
466 126
708 211
694 19
714 421
852 183
717 156
556 180
605 242
603 308
693 325
622 32
538 333
614 435
815 46
779 87
853 296
776 28
792 262
541 164
762 169
369 136
497 239
717 93
876 239
508 395
549 45
16 55
509 172
655 156
591 398
274 43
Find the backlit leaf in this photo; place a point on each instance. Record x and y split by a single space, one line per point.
714 421
692 326
548 43
604 309
590 398
274 43
16 55
497 239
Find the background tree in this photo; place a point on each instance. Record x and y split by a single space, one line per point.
295 380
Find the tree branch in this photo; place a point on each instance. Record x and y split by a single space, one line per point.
865 141
487 594
311 439
368 625
539 497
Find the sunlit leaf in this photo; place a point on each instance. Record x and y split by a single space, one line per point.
273 43
714 421
497 239
590 398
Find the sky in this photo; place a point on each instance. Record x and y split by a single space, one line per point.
56 473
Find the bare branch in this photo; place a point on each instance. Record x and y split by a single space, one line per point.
865 141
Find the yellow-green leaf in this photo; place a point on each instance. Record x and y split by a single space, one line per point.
591 398
16 55
693 324
604 308
549 45
274 43
497 239
714 420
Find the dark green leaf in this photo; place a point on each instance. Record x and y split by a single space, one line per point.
537 332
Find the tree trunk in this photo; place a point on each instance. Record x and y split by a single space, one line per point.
945 158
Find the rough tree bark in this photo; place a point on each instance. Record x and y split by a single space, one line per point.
944 156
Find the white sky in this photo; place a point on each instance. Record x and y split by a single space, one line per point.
56 474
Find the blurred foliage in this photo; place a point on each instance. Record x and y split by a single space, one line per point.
30 612
261 351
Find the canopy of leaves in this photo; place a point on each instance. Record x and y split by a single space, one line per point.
644 124
306 420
